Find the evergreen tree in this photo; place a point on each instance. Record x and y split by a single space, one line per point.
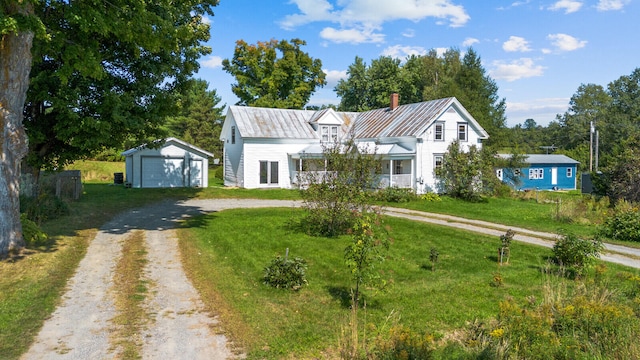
199 118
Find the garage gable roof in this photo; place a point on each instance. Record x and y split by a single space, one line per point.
161 143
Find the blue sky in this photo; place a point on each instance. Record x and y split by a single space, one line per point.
538 52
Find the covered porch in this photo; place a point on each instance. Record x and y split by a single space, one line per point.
398 165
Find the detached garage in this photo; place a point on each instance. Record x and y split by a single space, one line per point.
168 163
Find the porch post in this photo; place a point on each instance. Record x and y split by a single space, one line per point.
414 185
391 169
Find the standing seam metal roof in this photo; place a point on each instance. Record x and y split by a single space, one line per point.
405 120
273 123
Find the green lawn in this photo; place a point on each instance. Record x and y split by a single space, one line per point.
31 285
527 213
225 253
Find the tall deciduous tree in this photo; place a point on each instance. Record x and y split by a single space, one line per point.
108 73
101 74
199 119
17 30
353 92
274 74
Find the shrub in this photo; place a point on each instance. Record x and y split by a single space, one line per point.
285 273
395 194
623 224
219 172
575 253
430 196
504 251
44 207
402 343
33 235
585 323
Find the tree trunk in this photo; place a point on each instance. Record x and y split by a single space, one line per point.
15 65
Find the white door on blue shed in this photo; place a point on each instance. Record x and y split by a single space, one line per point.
161 172
554 176
195 173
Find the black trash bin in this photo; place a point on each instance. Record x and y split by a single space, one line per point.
118 178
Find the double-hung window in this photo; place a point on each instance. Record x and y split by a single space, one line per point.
462 131
438 132
569 172
268 172
438 161
233 134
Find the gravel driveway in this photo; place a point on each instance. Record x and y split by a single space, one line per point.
179 329
80 327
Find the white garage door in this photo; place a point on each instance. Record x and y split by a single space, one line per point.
159 172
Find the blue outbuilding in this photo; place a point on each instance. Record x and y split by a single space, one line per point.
544 172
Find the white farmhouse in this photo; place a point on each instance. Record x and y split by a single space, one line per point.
265 148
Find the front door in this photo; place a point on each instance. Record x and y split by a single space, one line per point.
554 176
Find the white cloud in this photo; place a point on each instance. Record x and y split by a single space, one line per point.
353 36
206 19
514 4
569 6
333 76
516 43
409 33
470 41
366 13
543 110
515 70
564 42
607 5
212 62
401 52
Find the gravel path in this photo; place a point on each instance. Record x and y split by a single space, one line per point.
179 329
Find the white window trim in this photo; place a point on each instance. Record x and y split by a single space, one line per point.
466 132
329 133
269 174
435 160
569 172
536 174
435 131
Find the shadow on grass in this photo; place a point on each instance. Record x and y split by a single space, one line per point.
343 294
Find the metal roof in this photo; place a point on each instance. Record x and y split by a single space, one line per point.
545 159
405 120
273 123
161 143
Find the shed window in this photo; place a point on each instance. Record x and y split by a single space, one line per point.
233 134
536 174
438 133
268 172
462 132
499 174
569 172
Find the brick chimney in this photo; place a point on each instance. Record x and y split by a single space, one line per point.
394 101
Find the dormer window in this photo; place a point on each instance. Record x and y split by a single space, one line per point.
328 133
